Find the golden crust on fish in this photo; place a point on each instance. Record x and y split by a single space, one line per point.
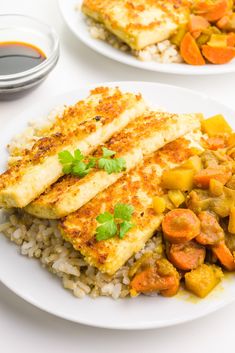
141 137
139 23
85 126
136 188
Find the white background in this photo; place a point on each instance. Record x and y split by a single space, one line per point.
24 328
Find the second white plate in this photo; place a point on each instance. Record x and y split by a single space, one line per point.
76 22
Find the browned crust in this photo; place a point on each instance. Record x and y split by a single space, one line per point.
77 122
171 8
121 142
79 227
138 130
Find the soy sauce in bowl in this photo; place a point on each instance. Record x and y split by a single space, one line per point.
29 51
17 57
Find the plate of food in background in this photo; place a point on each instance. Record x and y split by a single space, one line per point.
122 209
180 37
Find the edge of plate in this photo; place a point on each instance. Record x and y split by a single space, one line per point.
220 69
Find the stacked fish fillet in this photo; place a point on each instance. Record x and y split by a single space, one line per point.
149 142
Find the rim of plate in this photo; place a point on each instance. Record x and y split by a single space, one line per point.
142 325
139 327
68 7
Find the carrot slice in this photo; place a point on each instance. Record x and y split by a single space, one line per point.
223 22
150 281
231 39
190 51
211 232
202 178
171 291
197 24
164 267
180 225
216 55
224 255
162 278
215 142
196 34
211 10
187 256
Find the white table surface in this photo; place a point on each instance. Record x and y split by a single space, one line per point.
24 328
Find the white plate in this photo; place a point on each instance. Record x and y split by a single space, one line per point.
30 281
76 22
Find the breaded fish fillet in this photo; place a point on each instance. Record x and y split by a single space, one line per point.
136 188
84 126
139 22
141 137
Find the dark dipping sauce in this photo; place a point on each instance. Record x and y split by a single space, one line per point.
17 57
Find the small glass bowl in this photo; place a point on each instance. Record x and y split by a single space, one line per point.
21 28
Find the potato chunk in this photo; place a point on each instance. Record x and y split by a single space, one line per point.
203 279
216 187
159 204
216 125
231 140
178 178
194 163
218 40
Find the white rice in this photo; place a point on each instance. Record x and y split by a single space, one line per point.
34 131
162 52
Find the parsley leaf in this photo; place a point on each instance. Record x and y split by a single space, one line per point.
123 211
120 165
106 230
106 164
112 225
80 169
66 159
78 156
111 165
91 163
75 165
124 228
107 153
104 217
115 165
66 169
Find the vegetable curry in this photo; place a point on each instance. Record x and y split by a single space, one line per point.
198 228
209 35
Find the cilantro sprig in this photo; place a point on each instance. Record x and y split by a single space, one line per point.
111 165
77 165
117 223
